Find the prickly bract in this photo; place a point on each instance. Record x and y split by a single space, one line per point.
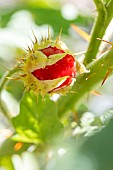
48 67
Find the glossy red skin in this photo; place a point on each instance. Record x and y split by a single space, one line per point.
64 67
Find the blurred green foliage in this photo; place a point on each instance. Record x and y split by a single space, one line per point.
48 16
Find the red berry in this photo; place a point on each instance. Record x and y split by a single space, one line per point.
64 67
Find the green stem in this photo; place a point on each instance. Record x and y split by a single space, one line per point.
3 83
98 31
109 7
86 82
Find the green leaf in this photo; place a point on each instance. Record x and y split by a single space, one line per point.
37 121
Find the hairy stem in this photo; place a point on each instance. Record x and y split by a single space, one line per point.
3 83
104 17
86 82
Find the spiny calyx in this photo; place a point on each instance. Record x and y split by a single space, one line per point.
48 67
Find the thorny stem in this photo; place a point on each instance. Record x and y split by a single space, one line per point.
86 82
3 83
104 17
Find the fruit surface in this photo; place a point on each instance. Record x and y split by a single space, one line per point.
63 67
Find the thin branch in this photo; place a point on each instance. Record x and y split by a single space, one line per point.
3 83
98 31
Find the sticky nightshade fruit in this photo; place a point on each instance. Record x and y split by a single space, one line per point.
48 67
